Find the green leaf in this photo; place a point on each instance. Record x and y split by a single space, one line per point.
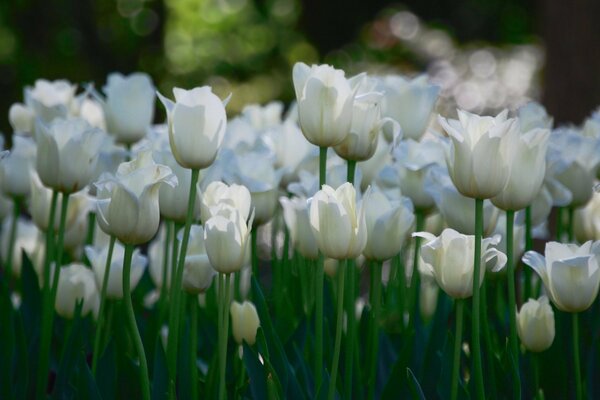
256 373
87 387
7 341
397 383
413 385
160 378
106 373
31 305
68 362
22 368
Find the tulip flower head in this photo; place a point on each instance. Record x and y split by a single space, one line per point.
76 283
338 223
535 324
17 167
449 258
51 100
244 322
297 220
197 122
218 194
128 201
198 273
570 273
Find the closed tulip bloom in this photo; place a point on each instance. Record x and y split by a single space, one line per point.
51 100
533 115
337 222
244 322
367 126
570 273
410 102
67 153
129 106
218 193
114 288
21 118
481 152
449 258
27 240
197 122
527 171
198 273
156 259
17 167
226 239
325 102
587 220
535 324
76 283
128 201
297 220
387 225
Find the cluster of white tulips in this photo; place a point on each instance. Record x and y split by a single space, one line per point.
269 219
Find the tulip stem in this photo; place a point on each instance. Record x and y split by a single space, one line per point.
578 387
476 339
97 337
12 238
351 171
338 329
398 264
48 317
351 327
89 237
194 345
254 250
322 166
175 313
224 282
512 304
170 227
460 305
414 279
133 329
374 331
319 322
528 246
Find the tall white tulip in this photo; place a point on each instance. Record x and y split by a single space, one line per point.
217 194
197 122
338 223
128 201
535 324
481 152
570 273
325 101
449 258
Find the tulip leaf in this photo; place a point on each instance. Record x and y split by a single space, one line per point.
31 306
87 387
106 374
413 385
397 382
22 368
256 373
7 341
160 377
68 361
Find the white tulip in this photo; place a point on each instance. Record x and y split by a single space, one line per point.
21 118
297 220
51 100
17 167
76 283
218 193
535 324
198 273
27 239
244 322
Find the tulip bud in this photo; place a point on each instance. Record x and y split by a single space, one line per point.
16 168
297 220
244 322
535 324
198 273
218 193
27 239
21 118
197 122
76 283
51 100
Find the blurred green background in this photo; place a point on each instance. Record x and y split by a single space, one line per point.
248 47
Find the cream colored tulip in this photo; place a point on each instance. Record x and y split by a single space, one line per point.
244 322
535 324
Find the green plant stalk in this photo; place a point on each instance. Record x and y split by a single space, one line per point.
319 286
220 306
414 280
350 328
512 302
170 227
374 331
254 250
351 171
487 337
460 305
571 226
48 317
536 373
194 345
476 339
172 343
528 246
89 237
338 329
133 329
578 383
99 325
12 238
401 276
224 336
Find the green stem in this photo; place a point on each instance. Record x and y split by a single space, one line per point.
12 238
172 344
48 316
89 237
460 305
528 246
536 374
338 329
398 263
351 171
476 339
254 250
487 337
374 331
512 303
133 329
170 227
97 337
578 385
319 322
194 344
223 334
414 280
322 166
350 328
571 225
